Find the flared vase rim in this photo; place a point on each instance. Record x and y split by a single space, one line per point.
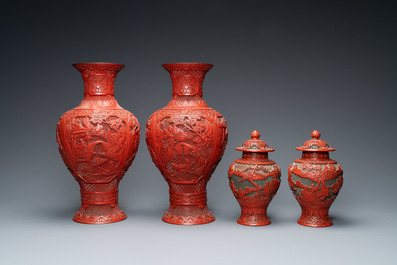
99 64
187 64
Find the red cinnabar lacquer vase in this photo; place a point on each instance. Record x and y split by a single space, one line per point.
186 140
254 180
98 141
315 180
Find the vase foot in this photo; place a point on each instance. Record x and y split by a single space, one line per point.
251 220
315 218
253 216
188 215
99 214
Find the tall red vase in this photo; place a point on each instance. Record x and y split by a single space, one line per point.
315 181
186 140
98 141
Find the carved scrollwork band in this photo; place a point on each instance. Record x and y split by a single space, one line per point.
188 198
99 198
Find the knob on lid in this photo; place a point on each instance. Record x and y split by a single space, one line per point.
315 144
255 145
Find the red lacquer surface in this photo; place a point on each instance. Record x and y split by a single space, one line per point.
98 141
254 180
186 140
315 181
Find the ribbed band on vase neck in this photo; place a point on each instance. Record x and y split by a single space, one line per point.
188 198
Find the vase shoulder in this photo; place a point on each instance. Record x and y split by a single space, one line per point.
94 115
316 170
255 162
205 112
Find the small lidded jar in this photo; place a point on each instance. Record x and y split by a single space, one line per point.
315 181
254 180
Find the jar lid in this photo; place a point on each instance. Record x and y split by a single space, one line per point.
315 144
255 145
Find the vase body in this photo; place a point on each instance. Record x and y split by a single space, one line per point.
98 141
315 181
254 180
186 140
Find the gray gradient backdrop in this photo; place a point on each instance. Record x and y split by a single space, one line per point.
283 68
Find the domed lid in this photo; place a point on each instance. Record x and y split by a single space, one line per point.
255 145
315 144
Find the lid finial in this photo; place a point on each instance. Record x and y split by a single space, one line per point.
255 135
316 134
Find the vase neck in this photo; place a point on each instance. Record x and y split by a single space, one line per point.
187 79
252 156
98 79
307 155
